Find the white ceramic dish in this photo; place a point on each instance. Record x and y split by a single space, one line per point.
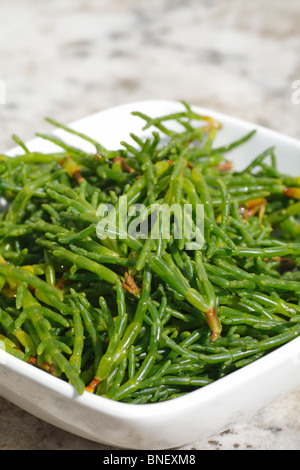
201 413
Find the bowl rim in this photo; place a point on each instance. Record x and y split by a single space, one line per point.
130 105
289 351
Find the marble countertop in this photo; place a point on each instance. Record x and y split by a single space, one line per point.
69 59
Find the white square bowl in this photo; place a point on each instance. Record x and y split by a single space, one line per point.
198 414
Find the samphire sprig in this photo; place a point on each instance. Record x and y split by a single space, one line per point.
149 318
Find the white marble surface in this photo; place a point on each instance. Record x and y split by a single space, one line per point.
68 59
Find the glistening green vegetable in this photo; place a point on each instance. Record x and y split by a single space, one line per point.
142 319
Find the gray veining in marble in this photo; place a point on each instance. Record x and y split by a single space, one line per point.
68 59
